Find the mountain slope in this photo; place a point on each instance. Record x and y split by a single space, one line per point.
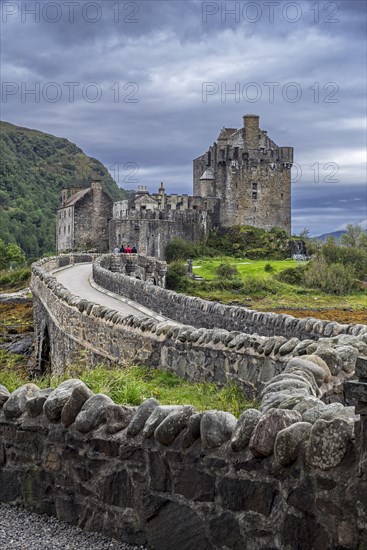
34 166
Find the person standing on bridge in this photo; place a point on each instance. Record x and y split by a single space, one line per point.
128 249
122 249
134 250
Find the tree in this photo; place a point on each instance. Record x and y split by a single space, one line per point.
10 255
353 235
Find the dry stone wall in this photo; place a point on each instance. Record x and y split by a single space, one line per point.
290 476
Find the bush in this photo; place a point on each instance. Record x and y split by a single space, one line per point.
349 256
179 249
334 278
260 286
292 275
227 271
268 268
177 278
14 278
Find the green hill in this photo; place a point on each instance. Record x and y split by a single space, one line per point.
34 166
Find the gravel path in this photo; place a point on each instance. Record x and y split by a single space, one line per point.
23 530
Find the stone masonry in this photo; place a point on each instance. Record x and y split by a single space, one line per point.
289 475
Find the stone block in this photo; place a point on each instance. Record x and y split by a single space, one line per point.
270 424
194 485
328 443
177 526
15 405
216 428
247 495
93 413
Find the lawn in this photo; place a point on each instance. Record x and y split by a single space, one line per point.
206 267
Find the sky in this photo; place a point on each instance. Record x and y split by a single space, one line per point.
146 86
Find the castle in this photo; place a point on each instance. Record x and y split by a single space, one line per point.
243 179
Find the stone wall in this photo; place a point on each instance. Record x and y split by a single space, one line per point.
203 313
144 268
151 231
173 477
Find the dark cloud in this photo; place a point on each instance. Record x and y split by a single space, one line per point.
163 61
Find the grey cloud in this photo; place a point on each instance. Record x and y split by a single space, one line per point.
169 53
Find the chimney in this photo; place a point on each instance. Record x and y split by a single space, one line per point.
251 131
64 195
97 185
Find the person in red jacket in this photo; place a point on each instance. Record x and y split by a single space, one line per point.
128 249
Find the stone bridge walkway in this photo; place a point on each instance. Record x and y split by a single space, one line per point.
78 280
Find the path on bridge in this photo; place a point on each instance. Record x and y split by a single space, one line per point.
77 280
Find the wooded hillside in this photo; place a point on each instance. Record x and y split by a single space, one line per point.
34 166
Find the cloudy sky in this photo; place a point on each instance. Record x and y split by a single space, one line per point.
146 86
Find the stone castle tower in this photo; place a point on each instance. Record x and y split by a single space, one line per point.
249 174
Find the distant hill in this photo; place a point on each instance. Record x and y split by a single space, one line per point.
34 167
336 235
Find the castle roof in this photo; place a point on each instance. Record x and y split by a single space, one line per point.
76 197
225 133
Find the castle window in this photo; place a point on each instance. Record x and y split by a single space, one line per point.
68 228
254 186
222 153
281 196
254 195
64 229
209 158
235 153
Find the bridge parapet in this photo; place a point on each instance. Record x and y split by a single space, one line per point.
175 477
144 268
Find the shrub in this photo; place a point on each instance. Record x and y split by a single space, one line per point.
179 249
177 278
268 268
259 285
349 256
15 278
334 278
292 275
227 271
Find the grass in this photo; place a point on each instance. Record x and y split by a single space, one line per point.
262 292
132 385
245 267
12 280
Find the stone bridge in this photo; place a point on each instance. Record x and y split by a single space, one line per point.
90 304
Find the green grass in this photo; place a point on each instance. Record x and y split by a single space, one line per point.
132 385
12 280
262 291
245 267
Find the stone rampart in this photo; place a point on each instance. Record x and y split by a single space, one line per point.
203 313
172 477
65 324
